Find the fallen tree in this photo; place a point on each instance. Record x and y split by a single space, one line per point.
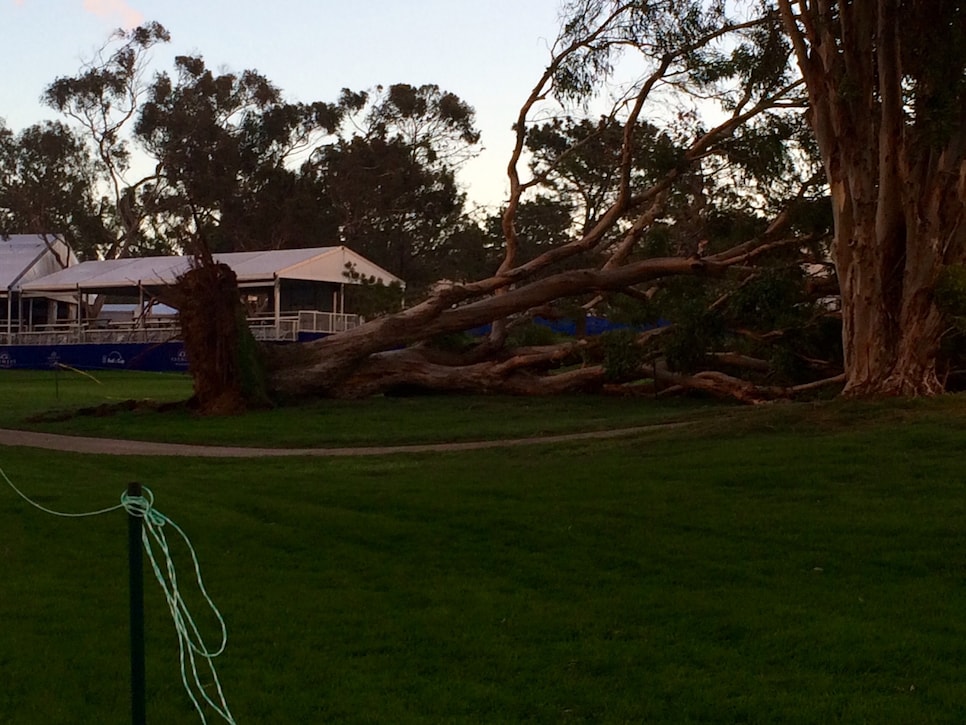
728 204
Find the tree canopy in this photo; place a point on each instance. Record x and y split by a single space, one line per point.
173 157
48 182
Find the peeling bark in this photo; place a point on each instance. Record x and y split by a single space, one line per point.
327 366
722 385
896 197
388 370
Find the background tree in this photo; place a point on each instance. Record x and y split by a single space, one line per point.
579 161
390 179
177 155
48 184
103 99
224 147
228 158
887 93
390 207
542 222
437 126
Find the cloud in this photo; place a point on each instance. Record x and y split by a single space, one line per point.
111 9
129 17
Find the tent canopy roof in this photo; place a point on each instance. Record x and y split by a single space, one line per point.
27 257
253 269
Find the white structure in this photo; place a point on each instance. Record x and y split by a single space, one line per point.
288 291
25 258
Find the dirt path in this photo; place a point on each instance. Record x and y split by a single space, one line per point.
112 447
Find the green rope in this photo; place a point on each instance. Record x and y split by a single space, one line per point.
51 511
191 644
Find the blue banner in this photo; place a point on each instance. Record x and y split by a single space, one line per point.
156 357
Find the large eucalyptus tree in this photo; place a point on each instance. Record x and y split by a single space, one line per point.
887 101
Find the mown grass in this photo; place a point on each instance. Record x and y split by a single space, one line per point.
798 564
25 393
382 420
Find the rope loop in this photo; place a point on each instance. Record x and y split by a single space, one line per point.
143 507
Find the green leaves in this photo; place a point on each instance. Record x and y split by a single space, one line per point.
436 125
622 355
224 142
771 300
47 185
389 178
950 292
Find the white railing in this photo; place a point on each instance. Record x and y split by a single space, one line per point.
328 322
263 327
77 335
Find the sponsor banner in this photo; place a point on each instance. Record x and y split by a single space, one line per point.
158 357
311 336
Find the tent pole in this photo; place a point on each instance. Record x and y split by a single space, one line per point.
278 305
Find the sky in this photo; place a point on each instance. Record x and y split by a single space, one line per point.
489 53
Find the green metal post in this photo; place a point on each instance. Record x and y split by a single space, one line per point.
136 568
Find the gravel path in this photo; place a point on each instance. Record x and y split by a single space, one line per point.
112 447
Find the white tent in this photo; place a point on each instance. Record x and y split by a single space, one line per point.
25 258
254 269
332 267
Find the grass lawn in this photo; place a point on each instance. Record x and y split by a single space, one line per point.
798 564
384 420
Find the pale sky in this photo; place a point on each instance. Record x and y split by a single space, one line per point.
488 52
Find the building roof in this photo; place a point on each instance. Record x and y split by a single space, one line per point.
27 257
253 269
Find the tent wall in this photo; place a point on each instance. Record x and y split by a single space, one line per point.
300 295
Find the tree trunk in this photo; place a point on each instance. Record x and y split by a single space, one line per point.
891 333
224 357
896 185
